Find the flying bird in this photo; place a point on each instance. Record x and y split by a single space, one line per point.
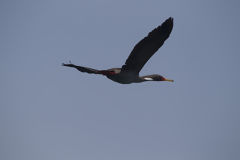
141 53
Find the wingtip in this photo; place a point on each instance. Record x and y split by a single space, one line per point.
170 19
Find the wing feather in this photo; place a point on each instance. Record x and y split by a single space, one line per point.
144 49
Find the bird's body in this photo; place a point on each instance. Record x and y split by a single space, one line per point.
124 77
142 52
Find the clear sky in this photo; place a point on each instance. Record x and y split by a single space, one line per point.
50 112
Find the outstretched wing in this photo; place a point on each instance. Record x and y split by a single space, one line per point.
144 49
83 69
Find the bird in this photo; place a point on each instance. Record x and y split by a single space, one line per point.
141 53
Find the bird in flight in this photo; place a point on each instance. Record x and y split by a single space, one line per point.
141 53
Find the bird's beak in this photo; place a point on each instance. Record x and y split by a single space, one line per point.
169 80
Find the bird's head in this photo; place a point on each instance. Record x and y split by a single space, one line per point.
156 77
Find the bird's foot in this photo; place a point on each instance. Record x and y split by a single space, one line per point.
69 64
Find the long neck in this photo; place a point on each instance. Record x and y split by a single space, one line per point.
142 79
153 77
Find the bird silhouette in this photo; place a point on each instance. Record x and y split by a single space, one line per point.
141 53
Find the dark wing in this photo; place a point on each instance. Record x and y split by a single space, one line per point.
83 69
144 50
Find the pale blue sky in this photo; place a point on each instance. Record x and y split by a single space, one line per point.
50 112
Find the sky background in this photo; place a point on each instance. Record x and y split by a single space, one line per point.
50 112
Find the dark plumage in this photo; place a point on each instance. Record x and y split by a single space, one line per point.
141 53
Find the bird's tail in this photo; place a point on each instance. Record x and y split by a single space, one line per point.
83 69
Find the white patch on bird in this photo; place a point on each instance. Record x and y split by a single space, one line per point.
148 79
